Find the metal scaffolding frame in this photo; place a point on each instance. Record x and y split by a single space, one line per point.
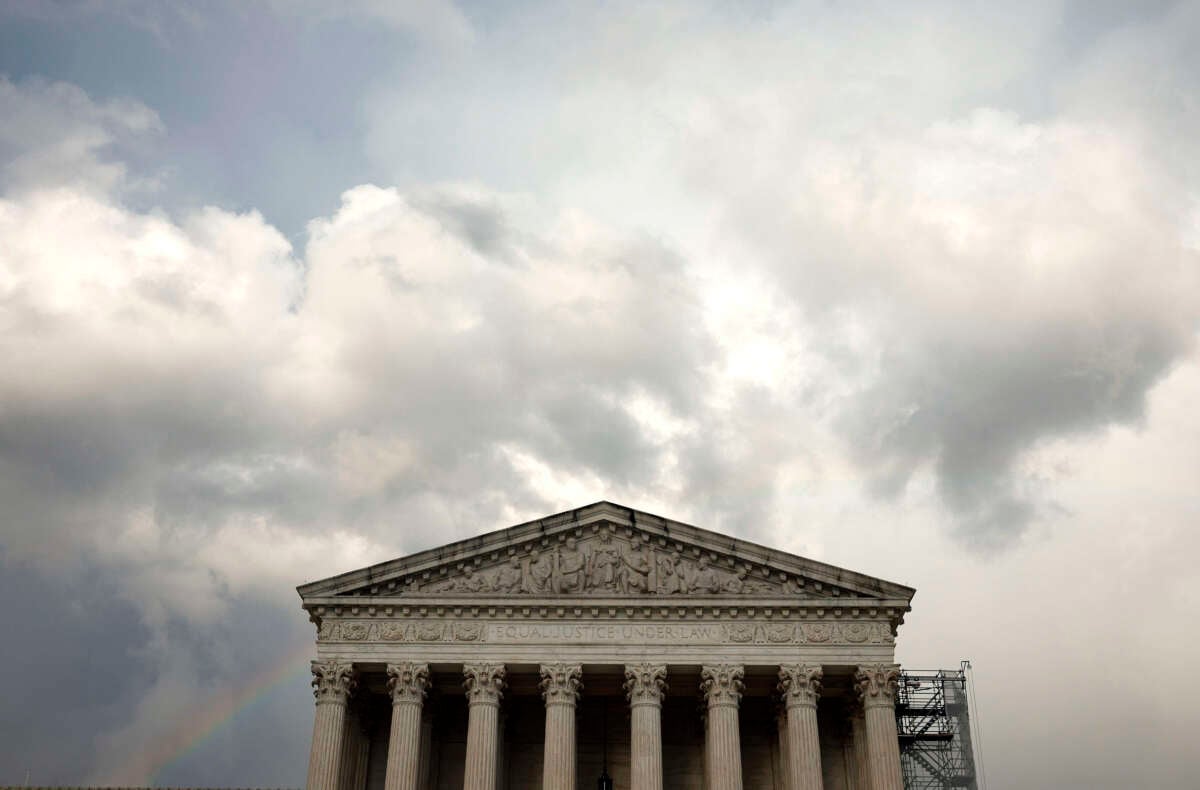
934 726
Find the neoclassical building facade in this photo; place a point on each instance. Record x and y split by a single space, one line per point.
604 641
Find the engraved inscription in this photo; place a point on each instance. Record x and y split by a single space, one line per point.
660 633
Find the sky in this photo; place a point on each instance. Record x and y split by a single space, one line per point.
288 288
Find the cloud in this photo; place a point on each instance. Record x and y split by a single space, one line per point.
832 278
439 21
982 246
55 134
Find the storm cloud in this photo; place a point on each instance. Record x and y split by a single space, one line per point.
910 291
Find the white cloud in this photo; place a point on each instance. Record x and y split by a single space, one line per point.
54 133
760 269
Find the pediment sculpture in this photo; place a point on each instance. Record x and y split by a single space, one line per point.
607 564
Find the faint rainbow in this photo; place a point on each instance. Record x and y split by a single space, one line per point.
191 734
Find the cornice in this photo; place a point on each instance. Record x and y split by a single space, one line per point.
716 608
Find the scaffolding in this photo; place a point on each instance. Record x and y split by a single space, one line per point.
934 726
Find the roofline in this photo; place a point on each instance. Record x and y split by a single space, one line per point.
589 514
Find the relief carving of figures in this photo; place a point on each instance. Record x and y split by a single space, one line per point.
705 580
608 563
634 574
469 581
603 565
508 577
472 581
572 568
537 575
670 581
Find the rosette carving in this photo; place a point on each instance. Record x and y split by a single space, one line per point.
800 684
484 683
407 682
645 684
722 684
332 681
561 683
876 684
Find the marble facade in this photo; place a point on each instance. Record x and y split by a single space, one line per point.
680 657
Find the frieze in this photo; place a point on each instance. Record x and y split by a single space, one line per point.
644 633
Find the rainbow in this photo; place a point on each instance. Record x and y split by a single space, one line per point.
190 735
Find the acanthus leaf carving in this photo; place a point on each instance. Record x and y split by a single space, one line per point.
484 683
722 684
561 683
408 682
333 681
645 684
876 684
800 684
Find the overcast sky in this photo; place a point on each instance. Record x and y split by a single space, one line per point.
284 291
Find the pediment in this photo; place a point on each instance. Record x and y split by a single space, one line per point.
604 551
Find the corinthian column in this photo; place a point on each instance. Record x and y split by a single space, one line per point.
332 683
408 684
876 686
645 686
560 688
485 686
722 688
800 686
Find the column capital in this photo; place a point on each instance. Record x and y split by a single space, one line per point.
645 684
722 684
333 681
876 684
408 682
561 683
484 683
800 684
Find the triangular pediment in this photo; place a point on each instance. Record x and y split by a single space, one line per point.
604 551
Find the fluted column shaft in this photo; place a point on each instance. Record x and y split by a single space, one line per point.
722 686
423 773
785 767
355 751
408 683
800 687
485 686
332 683
862 770
876 686
645 687
560 688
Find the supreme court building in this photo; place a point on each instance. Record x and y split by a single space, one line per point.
604 640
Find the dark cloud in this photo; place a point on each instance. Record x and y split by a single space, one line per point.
72 646
841 288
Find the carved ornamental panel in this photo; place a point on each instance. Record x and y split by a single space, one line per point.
602 562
